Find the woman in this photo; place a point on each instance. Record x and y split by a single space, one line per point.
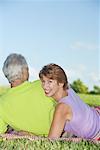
71 114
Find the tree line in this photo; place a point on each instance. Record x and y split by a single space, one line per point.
80 87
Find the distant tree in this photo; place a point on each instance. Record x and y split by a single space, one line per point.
96 90
79 87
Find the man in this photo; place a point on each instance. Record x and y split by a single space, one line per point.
24 106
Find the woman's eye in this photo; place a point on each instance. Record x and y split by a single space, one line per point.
50 81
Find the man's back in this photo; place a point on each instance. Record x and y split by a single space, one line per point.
25 107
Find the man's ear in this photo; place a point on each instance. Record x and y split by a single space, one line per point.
25 74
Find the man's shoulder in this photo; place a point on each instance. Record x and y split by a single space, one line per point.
36 82
4 93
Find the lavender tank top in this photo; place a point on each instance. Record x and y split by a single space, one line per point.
85 122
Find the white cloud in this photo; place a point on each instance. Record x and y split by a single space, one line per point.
81 72
3 79
76 72
83 46
94 79
33 73
1 51
94 76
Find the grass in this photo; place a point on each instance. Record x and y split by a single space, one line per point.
92 100
25 144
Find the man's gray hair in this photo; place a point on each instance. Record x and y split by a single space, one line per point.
13 66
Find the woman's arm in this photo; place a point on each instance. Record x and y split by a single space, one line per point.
61 115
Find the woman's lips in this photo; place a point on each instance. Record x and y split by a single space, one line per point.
46 92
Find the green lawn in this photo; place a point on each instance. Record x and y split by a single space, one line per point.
92 100
25 144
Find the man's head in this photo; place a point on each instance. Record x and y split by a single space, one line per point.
15 68
54 72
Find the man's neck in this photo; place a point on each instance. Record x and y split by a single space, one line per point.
16 83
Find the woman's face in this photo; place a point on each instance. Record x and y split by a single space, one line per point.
50 86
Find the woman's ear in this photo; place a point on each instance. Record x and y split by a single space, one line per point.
61 84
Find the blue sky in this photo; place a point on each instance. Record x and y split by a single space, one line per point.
65 32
